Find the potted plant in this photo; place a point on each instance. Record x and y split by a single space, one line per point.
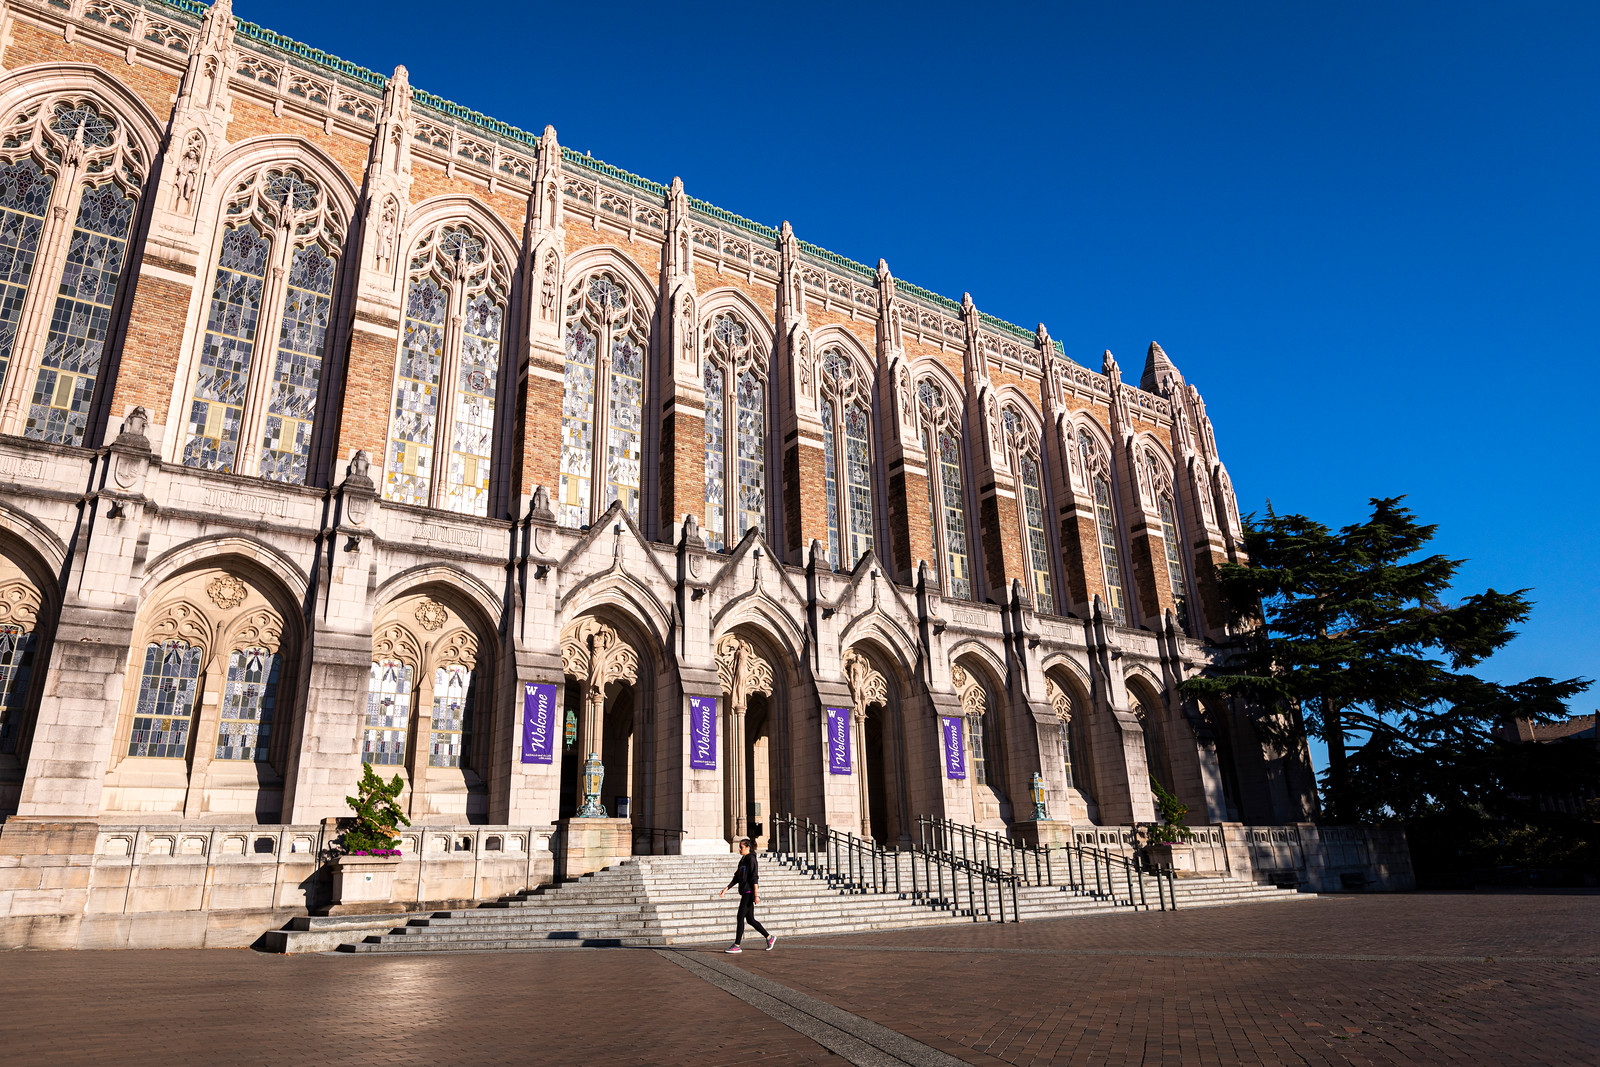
363 875
1167 841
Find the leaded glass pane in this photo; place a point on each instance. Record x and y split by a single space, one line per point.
223 377
932 480
980 749
1180 588
577 426
248 703
858 478
408 471
81 322
24 196
472 438
625 423
16 668
836 367
1038 553
383 740
1109 557
752 468
715 526
162 717
297 375
84 120
452 717
831 482
1066 752
955 520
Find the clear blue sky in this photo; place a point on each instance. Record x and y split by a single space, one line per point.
1366 231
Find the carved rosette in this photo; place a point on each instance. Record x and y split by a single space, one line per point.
430 615
226 591
867 686
741 672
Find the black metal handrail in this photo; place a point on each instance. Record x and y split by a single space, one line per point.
1076 868
937 878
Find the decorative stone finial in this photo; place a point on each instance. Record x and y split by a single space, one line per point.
691 532
138 420
539 509
1160 375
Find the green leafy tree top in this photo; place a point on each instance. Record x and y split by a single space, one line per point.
376 813
1172 828
1352 630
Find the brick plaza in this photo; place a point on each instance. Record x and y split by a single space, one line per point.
1399 979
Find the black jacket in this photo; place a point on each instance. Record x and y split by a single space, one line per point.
745 876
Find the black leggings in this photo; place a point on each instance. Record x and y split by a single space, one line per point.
747 912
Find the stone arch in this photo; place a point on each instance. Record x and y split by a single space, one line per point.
609 664
1069 693
457 581
211 700
22 85
421 218
279 149
900 648
433 707
834 335
587 261
35 538
30 604
618 595
1145 697
251 551
889 738
763 721
726 298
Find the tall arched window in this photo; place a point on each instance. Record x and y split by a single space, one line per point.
70 178
448 372
736 396
607 336
16 670
1155 751
383 738
1097 469
249 701
941 438
273 283
1022 448
423 685
452 716
847 461
167 691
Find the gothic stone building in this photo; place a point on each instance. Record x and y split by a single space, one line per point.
340 424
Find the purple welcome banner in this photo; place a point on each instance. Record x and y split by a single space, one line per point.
838 740
955 753
703 733
539 722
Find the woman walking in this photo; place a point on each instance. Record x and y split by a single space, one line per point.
746 877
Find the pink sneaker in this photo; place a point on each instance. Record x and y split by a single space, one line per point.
733 948
772 939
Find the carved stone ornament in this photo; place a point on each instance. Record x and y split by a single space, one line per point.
226 591
867 686
430 615
741 672
394 641
973 700
1060 703
592 651
261 628
19 603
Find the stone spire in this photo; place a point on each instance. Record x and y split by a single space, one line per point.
1160 374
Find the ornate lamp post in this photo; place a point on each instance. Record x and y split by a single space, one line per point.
594 772
1036 789
592 651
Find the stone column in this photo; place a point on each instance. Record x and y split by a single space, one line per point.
740 672
545 272
805 500
592 652
900 440
999 524
867 686
683 393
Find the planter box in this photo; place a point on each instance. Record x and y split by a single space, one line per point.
1180 858
363 883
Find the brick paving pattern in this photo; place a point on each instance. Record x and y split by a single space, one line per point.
1414 979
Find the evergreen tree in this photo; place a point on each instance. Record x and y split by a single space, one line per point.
1351 628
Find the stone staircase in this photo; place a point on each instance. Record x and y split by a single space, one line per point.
663 900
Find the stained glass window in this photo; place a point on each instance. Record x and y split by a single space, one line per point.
1180 588
577 426
830 481
223 376
716 462
1078 751
297 375
162 717
603 399
1038 552
933 502
472 440
1155 754
624 434
383 741
452 717
408 472
980 748
1066 752
16 668
752 468
24 198
248 702
858 475
1110 560
81 322
84 120
955 519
